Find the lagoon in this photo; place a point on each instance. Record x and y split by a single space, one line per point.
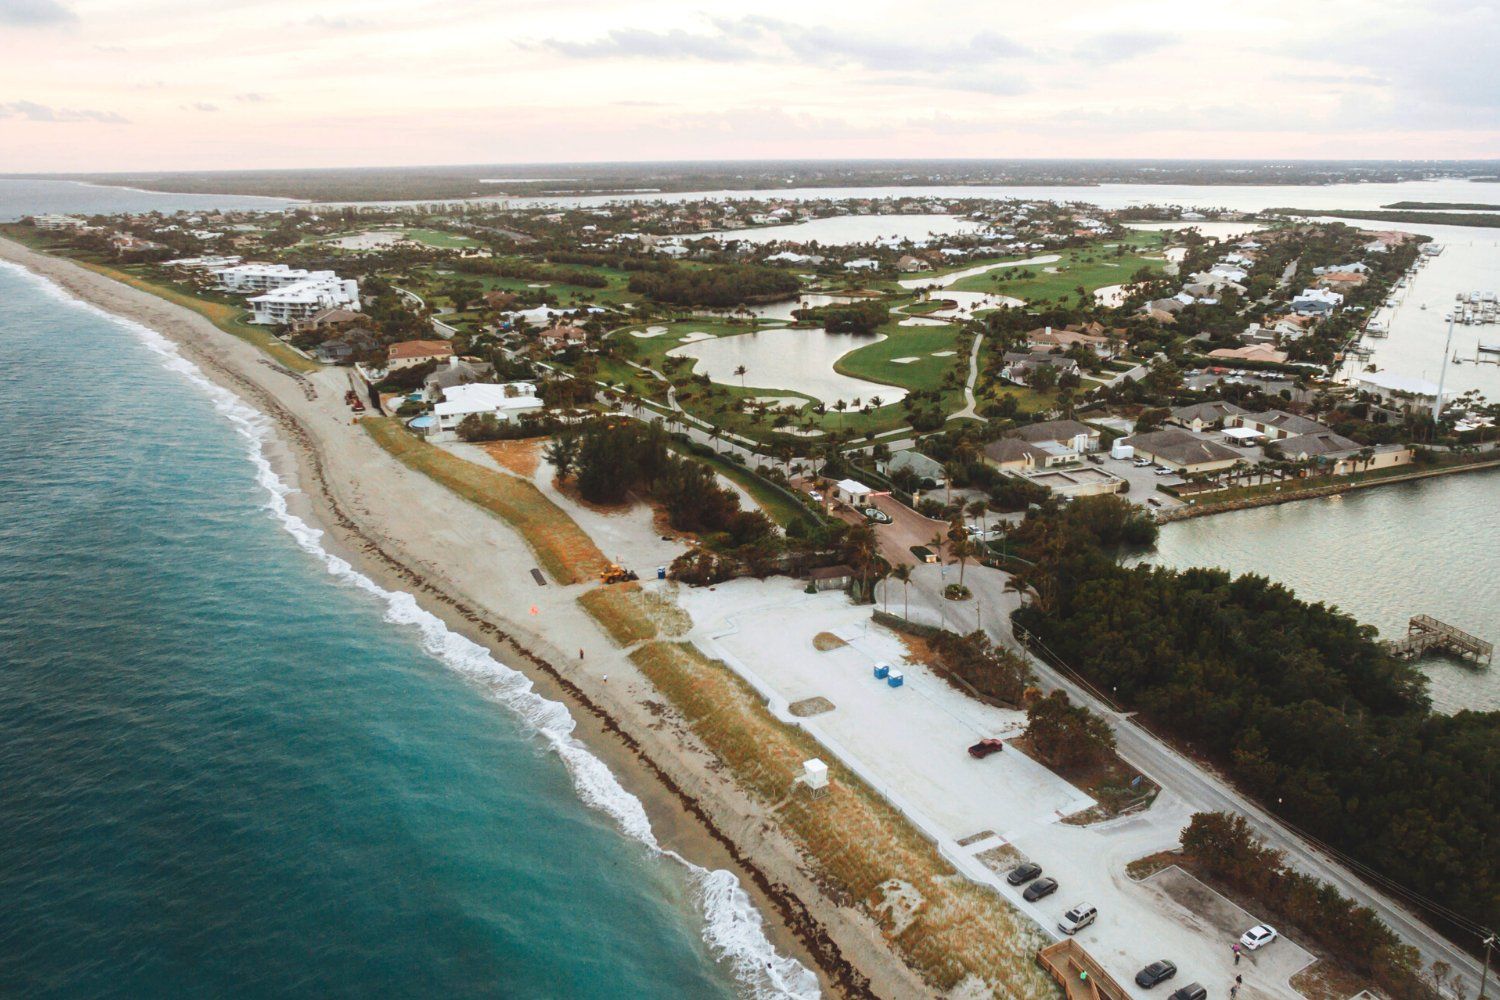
793 358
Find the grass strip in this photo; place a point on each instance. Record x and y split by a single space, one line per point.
856 842
618 608
562 548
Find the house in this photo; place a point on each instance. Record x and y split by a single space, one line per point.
1251 352
56 222
923 467
328 319
1342 281
1290 327
1018 367
1184 452
500 300
1016 456
1320 445
563 335
505 401
1073 434
458 371
346 345
1199 417
1277 425
409 353
831 577
908 263
1047 339
1316 301
1382 456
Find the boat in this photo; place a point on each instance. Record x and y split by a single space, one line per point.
1424 305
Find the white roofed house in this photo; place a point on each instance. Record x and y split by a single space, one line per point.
852 492
504 401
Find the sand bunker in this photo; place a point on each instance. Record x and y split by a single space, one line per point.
696 336
943 354
904 361
649 332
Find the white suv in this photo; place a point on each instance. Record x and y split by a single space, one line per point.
1077 918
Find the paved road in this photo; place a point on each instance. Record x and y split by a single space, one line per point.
1201 789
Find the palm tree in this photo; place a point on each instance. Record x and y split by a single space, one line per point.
902 573
977 510
962 549
937 544
740 370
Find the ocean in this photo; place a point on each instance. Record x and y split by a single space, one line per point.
232 766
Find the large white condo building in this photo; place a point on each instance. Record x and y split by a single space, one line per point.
282 294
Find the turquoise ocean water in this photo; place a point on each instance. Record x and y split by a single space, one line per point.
230 766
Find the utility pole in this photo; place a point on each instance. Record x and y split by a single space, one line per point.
1484 979
1437 406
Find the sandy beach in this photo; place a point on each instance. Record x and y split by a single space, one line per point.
466 566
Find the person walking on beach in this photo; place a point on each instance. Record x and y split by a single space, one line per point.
1236 953
580 654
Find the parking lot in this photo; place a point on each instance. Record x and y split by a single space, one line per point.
910 743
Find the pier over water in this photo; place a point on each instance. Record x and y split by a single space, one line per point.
1425 634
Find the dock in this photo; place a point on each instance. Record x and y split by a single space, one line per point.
1425 634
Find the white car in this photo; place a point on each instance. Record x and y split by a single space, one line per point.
1258 937
817 497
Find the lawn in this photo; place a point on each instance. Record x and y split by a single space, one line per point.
440 239
856 843
562 548
1093 267
874 362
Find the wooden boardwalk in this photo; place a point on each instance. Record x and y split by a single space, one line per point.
1424 634
1078 974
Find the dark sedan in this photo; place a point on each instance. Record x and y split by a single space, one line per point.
982 749
1041 887
1023 873
1156 972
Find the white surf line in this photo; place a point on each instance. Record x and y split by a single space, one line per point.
733 928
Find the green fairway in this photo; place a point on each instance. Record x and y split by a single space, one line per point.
441 239
1091 267
876 362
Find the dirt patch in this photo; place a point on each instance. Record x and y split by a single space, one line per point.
669 619
619 608
1325 981
520 457
919 650
569 489
1115 786
808 707
825 641
1143 868
1000 859
900 902
975 838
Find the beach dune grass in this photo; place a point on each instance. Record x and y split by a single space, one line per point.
618 608
856 841
562 548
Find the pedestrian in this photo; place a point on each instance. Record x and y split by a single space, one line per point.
1234 991
580 654
1236 953
1239 980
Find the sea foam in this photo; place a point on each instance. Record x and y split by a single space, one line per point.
732 926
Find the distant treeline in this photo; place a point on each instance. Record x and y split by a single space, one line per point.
619 262
1473 206
1488 221
719 287
529 270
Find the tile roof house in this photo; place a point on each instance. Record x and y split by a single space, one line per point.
1201 416
1319 444
1251 352
408 353
1177 449
1018 367
1277 424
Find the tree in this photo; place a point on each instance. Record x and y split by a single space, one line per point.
741 370
961 550
977 510
1067 735
562 453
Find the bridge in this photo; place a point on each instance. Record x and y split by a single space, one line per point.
1425 634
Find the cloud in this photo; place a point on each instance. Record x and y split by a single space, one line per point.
34 13
33 112
1119 46
980 62
339 23
253 97
200 106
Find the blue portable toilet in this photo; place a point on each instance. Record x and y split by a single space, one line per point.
881 670
895 679
661 572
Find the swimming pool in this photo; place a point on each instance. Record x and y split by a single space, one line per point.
423 423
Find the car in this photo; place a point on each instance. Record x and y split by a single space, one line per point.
984 748
1077 918
1024 872
1041 887
1164 472
815 495
1140 463
1192 991
1258 937
1155 974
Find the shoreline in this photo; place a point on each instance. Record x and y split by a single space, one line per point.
1189 512
694 811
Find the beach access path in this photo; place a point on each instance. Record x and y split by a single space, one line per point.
463 564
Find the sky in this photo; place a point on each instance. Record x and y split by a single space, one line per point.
99 85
